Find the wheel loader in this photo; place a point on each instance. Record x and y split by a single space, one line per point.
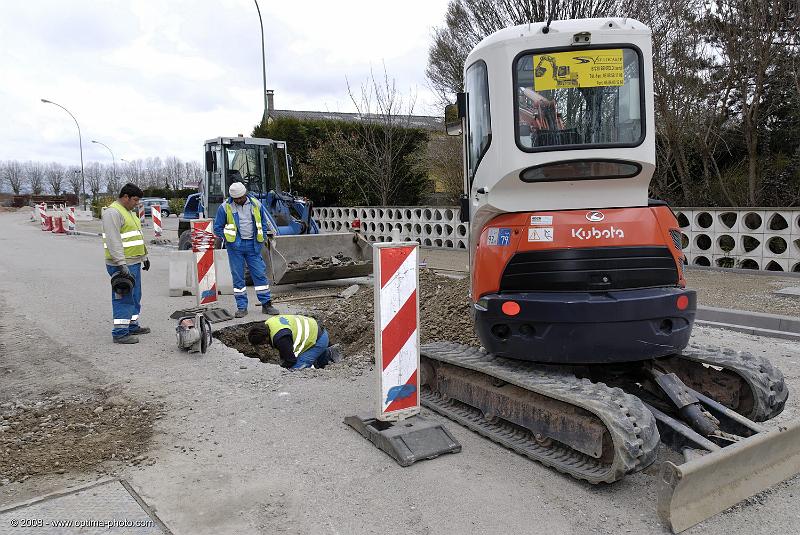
577 284
296 250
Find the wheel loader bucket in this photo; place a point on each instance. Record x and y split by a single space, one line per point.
317 257
696 490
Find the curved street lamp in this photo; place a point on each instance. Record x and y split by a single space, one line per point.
80 145
263 65
113 160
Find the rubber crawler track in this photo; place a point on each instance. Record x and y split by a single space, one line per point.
629 423
765 380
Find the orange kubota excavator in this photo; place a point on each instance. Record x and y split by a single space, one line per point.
578 289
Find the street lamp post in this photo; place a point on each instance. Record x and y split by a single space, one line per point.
113 160
263 65
80 145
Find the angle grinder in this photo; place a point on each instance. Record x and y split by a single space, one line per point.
193 333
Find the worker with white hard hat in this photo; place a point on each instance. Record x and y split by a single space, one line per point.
240 220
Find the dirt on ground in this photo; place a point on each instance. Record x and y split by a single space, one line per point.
444 312
317 262
740 291
57 434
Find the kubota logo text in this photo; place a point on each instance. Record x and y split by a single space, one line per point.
595 217
597 234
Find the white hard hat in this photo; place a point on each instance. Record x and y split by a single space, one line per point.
237 190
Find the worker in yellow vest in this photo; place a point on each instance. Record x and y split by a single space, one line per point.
240 220
125 252
300 340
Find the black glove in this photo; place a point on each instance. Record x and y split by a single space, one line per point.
146 265
124 269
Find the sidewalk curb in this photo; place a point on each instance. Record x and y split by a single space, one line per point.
772 325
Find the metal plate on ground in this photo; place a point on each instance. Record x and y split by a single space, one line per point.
214 315
406 441
791 291
110 506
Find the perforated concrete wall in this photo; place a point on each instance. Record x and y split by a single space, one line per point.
432 226
748 238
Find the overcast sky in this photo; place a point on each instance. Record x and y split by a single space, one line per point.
157 78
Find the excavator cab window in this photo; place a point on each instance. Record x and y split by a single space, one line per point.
244 165
583 98
479 124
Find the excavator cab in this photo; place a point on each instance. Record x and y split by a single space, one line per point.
577 282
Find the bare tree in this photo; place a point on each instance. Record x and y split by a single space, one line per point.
133 172
74 179
153 173
34 176
377 152
13 174
94 178
173 172
469 21
55 175
747 37
193 174
113 184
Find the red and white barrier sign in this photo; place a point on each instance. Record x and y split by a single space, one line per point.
71 220
141 214
397 329
203 246
42 214
58 223
155 212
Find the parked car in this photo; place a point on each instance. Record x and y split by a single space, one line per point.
150 201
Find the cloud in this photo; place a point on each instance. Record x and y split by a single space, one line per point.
154 78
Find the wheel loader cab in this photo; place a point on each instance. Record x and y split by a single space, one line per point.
570 260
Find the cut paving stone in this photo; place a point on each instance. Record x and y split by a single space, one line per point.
110 506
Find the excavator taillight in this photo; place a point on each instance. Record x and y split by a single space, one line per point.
356 224
682 302
510 308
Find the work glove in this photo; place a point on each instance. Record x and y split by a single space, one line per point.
124 269
146 265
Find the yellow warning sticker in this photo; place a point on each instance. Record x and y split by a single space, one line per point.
585 68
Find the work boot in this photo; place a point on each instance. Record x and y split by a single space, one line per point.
242 312
140 330
269 310
335 353
127 339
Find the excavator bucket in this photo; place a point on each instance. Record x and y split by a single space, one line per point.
691 492
317 257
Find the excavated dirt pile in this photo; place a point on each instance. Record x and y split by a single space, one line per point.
444 315
59 434
317 262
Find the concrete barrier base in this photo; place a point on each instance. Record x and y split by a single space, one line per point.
183 274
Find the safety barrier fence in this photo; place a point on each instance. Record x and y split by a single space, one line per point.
744 238
432 226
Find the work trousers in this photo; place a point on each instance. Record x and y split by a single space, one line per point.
316 355
126 308
249 252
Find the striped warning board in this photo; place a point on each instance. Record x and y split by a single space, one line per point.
203 247
155 213
397 329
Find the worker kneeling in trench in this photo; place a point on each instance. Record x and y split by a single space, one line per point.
300 340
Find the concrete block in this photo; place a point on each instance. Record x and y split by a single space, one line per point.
703 221
726 221
752 221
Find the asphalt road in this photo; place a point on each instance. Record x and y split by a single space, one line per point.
245 447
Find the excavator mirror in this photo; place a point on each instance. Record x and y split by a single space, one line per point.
452 122
211 162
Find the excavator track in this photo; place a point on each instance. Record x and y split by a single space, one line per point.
627 429
760 393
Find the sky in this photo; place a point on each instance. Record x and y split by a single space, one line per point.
158 77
